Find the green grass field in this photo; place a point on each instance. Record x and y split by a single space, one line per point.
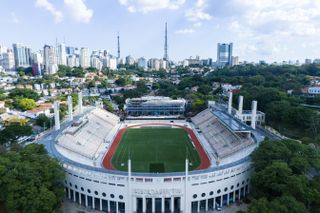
156 150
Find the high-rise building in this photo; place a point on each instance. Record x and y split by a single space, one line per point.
70 50
154 64
84 57
308 61
235 61
50 59
61 54
71 60
129 60
96 62
113 62
7 60
224 54
22 55
37 59
142 63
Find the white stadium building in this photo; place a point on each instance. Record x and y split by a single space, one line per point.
82 143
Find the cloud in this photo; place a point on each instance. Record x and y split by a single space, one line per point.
185 31
198 12
270 25
13 18
79 10
146 6
45 4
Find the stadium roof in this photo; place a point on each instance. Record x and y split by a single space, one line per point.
232 123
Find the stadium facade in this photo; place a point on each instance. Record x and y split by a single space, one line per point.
83 143
154 106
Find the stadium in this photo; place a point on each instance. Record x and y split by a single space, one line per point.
154 165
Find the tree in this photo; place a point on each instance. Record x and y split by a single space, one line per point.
10 134
30 181
108 105
43 121
121 82
282 174
26 104
23 93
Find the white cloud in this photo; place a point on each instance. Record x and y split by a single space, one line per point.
45 4
269 27
185 31
198 12
13 18
79 10
146 6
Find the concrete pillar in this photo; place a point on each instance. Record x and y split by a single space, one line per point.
69 193
80 109
221 201
172 204
109 205
134 204
144 205
70 109
239 194
240 107
230 103
244 191
207 205
100 204
162 204
182 207
86 200
153 205
117 207
79 198
74 196
234 196
214 203
56 115
254 114
93 203
198 210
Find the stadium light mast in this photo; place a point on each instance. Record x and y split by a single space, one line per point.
80 102
186 186
129 187
56 116
70 108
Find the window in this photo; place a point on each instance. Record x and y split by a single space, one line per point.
112 195
211 193
70 184
96 193
218 191
232 187
104 194
242 182
238 184
195 196
75 186
82 189
226 189
89 191
120 197
203 194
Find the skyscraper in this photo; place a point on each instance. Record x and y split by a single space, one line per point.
50 59
7 60
84 57
224 54
166 57
62 56
22 55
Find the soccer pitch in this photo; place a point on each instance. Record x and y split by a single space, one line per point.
155 150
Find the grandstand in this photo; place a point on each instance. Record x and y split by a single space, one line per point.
86 135
223 141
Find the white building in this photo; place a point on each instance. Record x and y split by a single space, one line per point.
84 57
71 60
129 60
50 59
62 55
96 62
7 60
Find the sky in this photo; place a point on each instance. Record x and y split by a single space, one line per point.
270 30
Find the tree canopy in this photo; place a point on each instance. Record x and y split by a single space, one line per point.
30 181
284 179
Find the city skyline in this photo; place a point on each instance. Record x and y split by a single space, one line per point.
263 30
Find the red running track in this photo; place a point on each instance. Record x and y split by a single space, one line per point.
205 162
